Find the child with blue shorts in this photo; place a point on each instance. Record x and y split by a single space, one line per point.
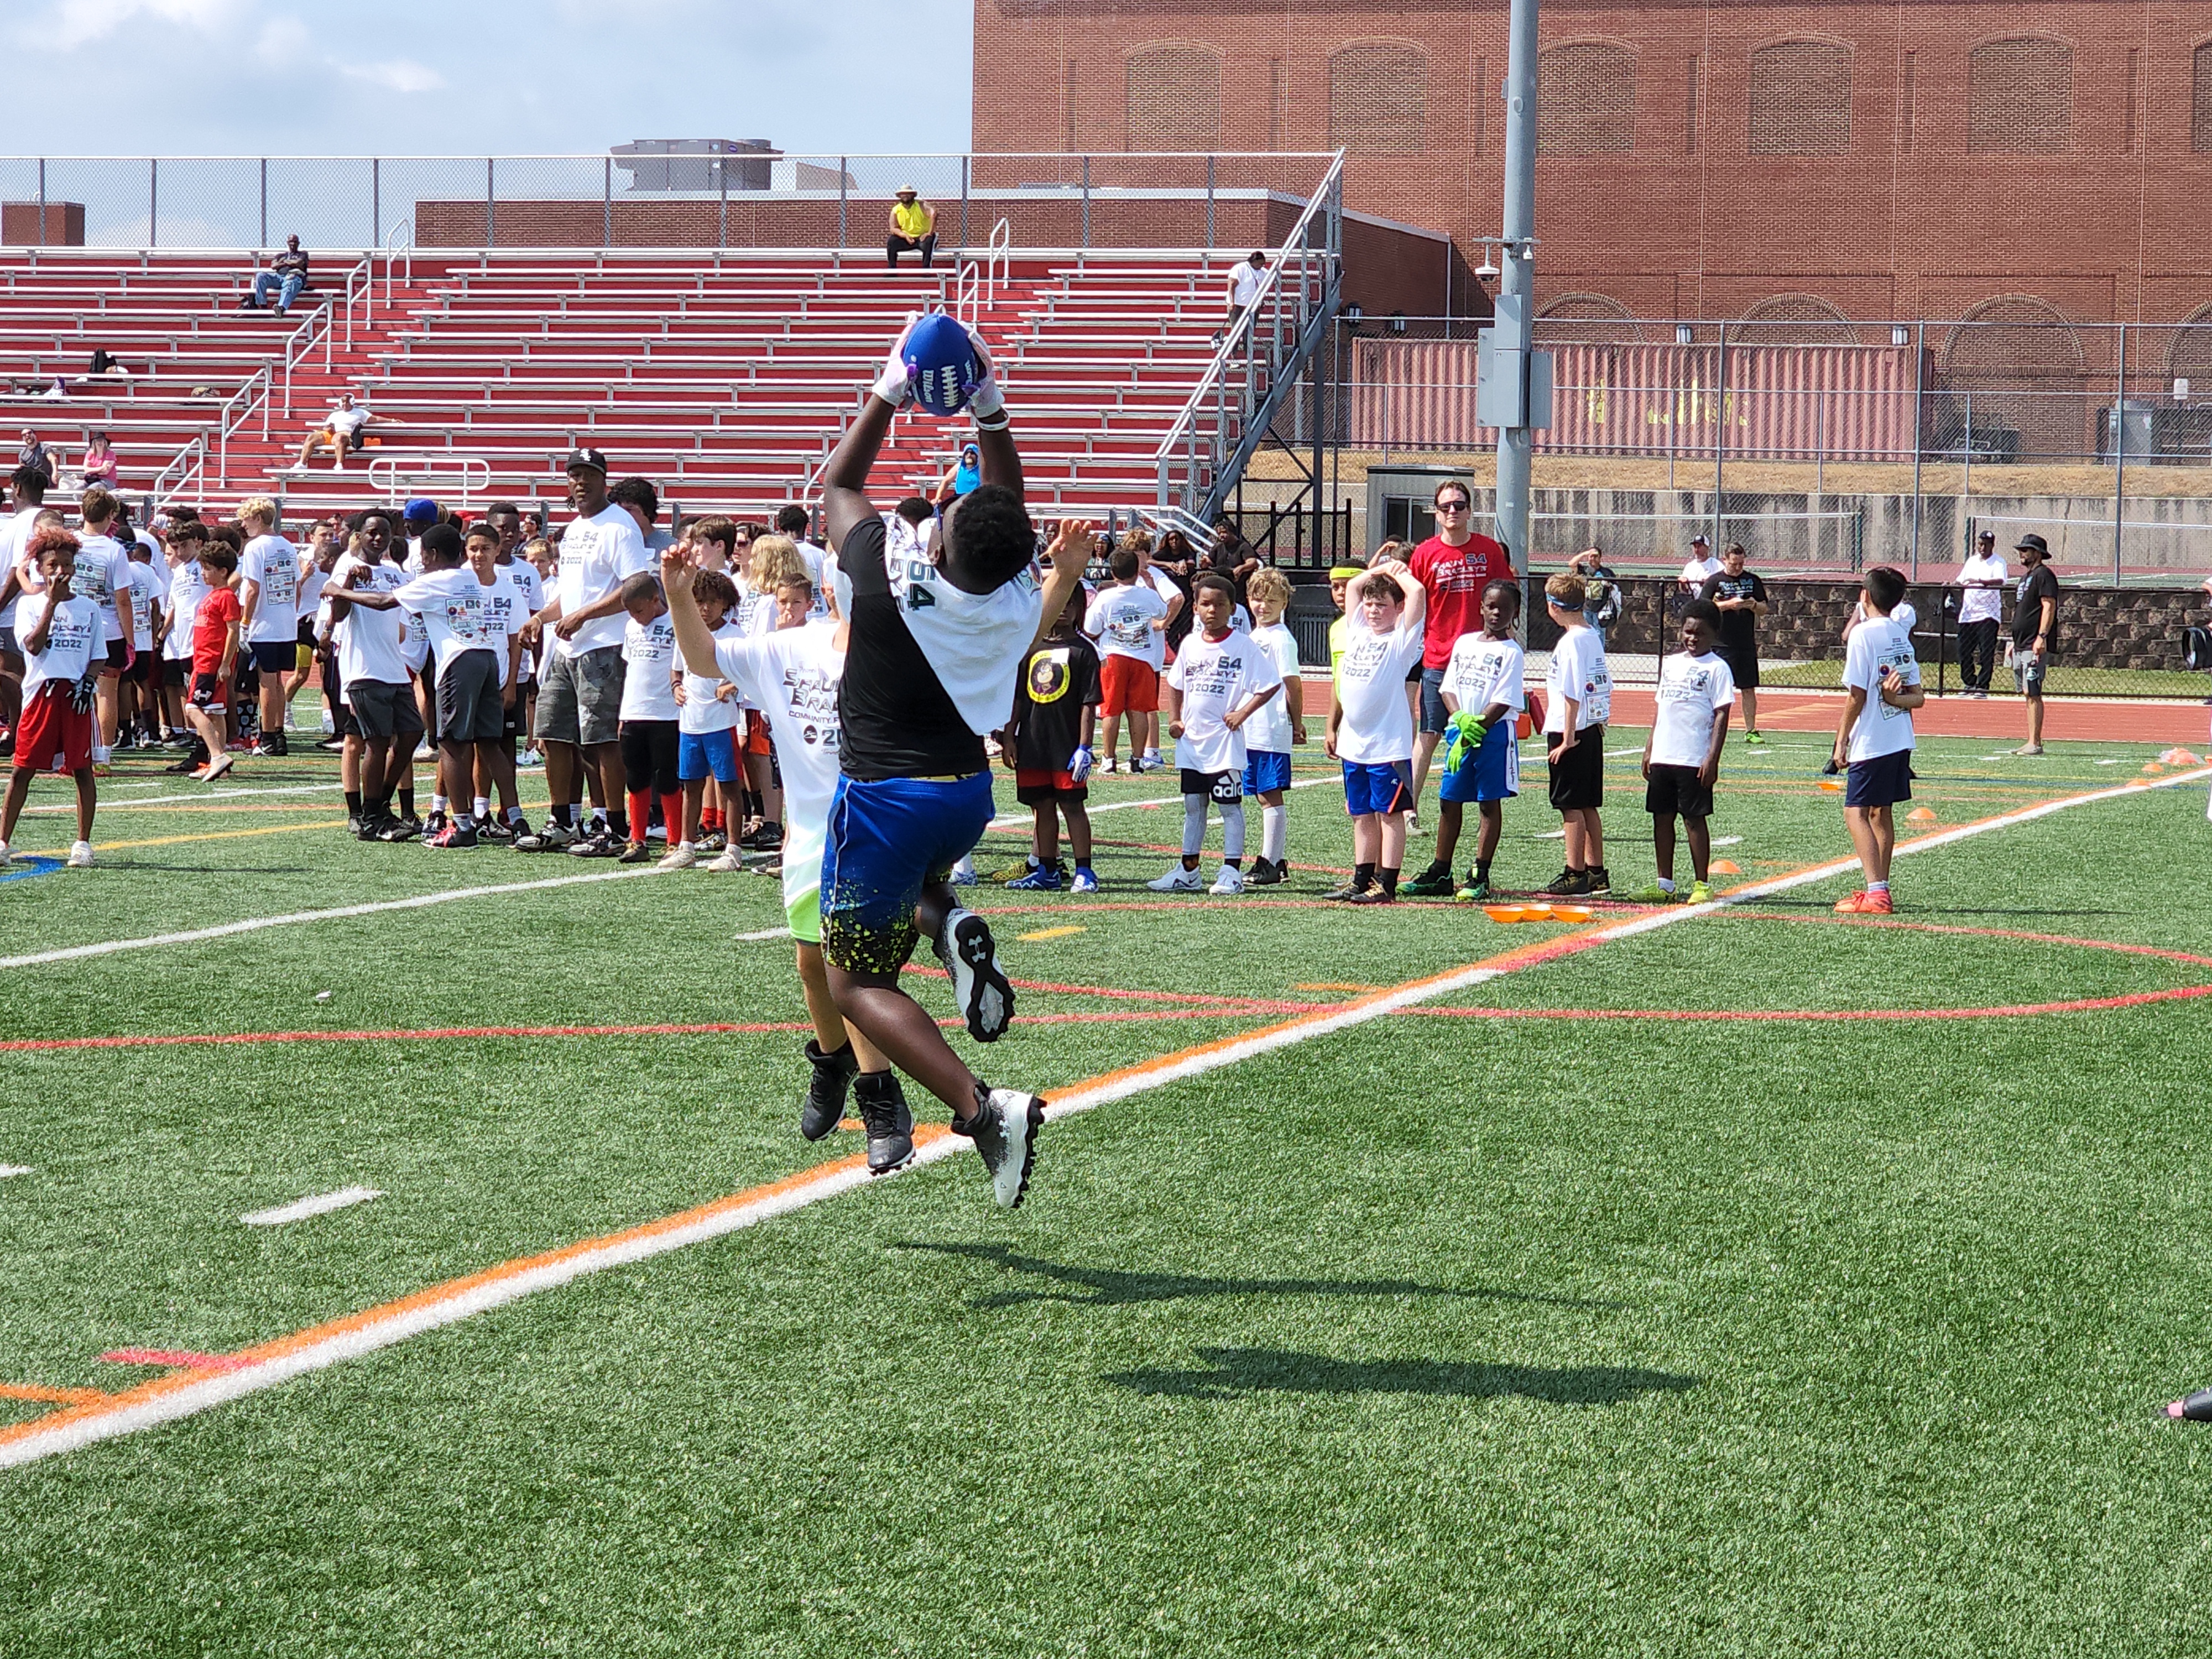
1370 724
1277 723
706 728
1483 693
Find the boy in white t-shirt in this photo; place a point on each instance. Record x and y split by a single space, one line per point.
510 602
1578 703
63 639
269 592
1129 621
180 607
1370 724
1682 753
1219 679
1874 737
103 576
1484 694
1279 723
651 722
706 726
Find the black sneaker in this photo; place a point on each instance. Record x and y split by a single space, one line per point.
1350 890
355 824
493 831
552 838
372 828
186 767
1005 1130
454 837
770 839
823 1108
1377 894
434 825
970 956
1596 880
599 843
1568 884
272 746
1435 882
635 851
396 830
1265 874
890 1125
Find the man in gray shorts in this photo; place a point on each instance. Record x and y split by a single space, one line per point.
579 684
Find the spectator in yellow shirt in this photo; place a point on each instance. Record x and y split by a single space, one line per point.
914 226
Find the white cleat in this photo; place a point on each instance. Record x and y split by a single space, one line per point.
970 956
1005 1132
1229 880
1177 880
682 856
80 856
732 860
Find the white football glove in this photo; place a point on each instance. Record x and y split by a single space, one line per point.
1079 763
987 403
891 385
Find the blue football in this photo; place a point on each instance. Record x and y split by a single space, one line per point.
940 364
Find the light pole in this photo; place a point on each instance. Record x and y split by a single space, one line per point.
1524 391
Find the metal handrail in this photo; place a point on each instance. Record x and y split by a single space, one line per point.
237 410
191 463
360 280
396 476
392 249
976 287
1193 470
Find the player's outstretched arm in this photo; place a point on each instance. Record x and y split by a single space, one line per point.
679 569
1065 558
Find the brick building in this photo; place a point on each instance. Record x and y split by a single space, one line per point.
2021 162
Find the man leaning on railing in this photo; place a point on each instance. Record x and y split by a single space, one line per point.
286 275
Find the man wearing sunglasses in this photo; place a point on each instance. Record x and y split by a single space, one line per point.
1455 565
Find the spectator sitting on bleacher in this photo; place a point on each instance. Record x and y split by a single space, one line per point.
286 275
963 476
36 454
102 466
105 362
340 433
914 226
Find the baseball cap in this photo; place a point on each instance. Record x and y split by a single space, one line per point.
1987 536
1699 541
421 510
1345 573
2032 542
586 457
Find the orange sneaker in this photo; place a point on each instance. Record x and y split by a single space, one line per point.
1869 903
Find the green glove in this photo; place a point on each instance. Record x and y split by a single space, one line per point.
1464 736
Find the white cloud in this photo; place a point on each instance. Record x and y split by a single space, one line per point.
399 74
78 23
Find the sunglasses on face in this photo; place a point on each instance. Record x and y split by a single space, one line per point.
1451 507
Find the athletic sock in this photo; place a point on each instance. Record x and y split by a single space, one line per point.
407 799
563 814
1877 887
1389 880
640 812
466 820
1666 884
1274 832
1194 825
353 802
1363 875
671 817
484 807
440 804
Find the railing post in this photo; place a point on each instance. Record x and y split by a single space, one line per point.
42 200
1720 431
607 204
841 203
722 221
1086 201
966 166
153 201
2120 458
1919 443
491 196
1209 204
376 213
264 242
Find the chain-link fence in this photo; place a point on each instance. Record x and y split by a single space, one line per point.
704 195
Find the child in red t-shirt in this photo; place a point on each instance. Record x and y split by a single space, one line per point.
60 634
215 657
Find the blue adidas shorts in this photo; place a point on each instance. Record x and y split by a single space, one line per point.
1265 769
887 841
1388 787
699 753
1491 773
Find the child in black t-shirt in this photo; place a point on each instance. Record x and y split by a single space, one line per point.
1049 743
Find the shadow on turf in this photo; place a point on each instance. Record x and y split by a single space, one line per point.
1238 1371
1108 1288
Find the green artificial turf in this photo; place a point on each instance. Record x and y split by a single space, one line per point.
1445 1334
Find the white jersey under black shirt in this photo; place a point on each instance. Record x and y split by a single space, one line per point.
929 668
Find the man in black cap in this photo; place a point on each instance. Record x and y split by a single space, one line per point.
2034 632
581 684
1981 608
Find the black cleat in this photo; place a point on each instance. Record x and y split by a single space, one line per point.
970 956
823 1108
890 1125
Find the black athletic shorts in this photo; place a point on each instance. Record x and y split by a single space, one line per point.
1743 664
1225 788
1675 791
1578 776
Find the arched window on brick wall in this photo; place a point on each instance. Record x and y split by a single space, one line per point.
1800 99
1174 99
2200 103
1585 99
2020 97
1378 98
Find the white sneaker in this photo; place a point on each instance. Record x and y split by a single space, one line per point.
963 873
1109 766
1152 761
730 861
80 856
329 725
1231 880
1177 880
5 854
682 856
530 757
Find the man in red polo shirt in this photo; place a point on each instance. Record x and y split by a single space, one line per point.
1454 565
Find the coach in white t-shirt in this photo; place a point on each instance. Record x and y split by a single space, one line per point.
580 681
1981 613
1244 279
1700 566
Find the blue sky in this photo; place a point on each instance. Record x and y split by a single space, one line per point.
255 77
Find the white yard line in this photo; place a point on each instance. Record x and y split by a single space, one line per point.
320 1204
198 797
438 1307
764 933
8 1170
